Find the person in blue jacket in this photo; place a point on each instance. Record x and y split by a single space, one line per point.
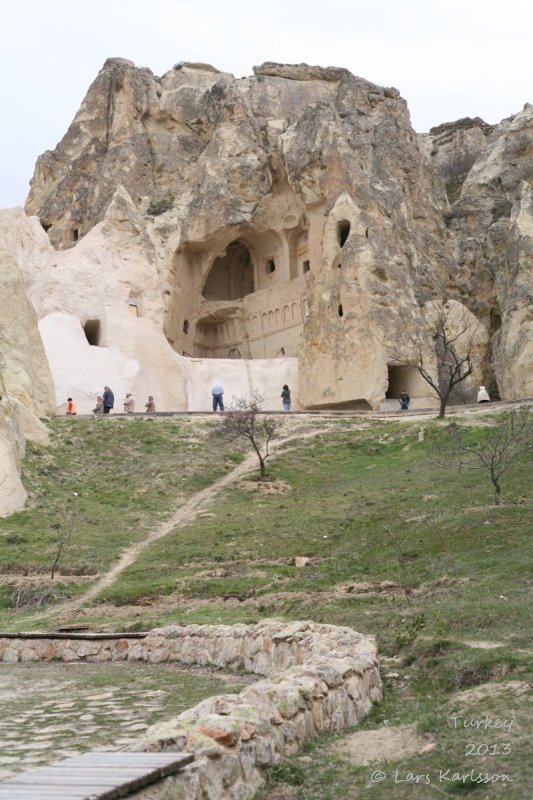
109 399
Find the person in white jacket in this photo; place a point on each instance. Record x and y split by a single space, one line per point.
483 395
129 403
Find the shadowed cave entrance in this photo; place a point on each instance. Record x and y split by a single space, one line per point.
232 275
401 377
92 332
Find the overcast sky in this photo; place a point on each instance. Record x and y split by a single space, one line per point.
449 58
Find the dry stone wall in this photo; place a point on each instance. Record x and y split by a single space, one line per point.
317 678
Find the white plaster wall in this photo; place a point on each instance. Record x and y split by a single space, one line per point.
239 378
142 362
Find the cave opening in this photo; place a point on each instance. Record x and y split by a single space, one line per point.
401 376
232 275
343 231
93 332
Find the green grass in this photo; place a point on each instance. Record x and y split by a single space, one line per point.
110 481
401 546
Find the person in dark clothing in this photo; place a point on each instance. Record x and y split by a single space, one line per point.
217 393
286 398
109 399
404 400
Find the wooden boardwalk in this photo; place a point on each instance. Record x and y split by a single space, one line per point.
96 775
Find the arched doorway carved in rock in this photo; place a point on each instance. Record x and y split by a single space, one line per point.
231 276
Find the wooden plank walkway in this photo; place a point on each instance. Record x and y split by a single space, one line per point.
97 775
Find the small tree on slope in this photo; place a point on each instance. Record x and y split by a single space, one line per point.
510 438
242 420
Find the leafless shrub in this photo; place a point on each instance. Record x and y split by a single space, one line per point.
65 527
242 420
509 438
31 597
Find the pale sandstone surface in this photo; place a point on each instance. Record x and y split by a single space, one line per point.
114 267
26 387
285 227
491 229
12 492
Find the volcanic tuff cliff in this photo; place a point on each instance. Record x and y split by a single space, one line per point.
26 387
294 213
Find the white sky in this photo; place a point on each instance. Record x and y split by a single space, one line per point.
448 58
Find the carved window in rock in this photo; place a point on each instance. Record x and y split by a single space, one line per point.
306 266
298 240
343 231
232 274
270 266
93 332
234 353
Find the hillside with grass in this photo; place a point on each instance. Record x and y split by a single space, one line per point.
364 523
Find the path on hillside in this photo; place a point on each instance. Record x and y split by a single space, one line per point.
198 502
185 514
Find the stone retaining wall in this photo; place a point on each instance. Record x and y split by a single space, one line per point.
318 678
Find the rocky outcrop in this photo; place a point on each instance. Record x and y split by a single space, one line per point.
291 214
26 386
491 226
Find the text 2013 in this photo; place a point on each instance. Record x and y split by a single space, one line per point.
499 749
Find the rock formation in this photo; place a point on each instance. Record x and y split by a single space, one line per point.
291 223
26 387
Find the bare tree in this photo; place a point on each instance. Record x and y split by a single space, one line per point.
242 421
65 528
510 438
454 338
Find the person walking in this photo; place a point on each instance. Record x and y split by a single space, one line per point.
482 395
150 405
404 400
71 406
129 403
286 398
99 407
109 399
217 393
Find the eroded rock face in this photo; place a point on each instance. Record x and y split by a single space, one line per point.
294 213
491 225
26 386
